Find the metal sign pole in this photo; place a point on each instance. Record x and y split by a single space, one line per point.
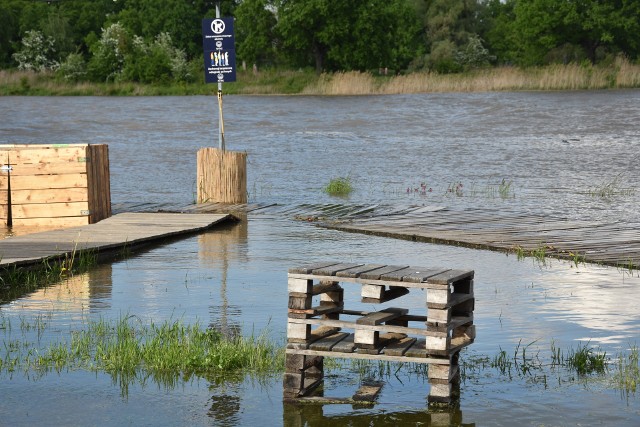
220 117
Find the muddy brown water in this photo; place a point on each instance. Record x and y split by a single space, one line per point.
553 147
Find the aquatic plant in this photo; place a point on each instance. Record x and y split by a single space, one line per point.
611 188
585 360
340 186
627 376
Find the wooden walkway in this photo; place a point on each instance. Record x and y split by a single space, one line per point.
609 243
119 232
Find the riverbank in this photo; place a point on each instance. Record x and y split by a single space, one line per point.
620 74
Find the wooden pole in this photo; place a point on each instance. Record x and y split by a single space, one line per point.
221 176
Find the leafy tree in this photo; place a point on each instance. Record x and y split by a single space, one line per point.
255 31
545 25
9 30
155 62
355 35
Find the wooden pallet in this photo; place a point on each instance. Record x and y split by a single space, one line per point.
315 331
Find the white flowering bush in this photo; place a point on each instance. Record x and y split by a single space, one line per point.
109 53
37 52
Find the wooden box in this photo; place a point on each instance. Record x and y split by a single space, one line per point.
54 186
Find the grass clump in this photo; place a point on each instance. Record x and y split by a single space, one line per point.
628 374
340 186
586 361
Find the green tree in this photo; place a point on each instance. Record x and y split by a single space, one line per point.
355 35
255 31
594 26
9 30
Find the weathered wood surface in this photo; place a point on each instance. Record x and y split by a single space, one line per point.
611 243
118 232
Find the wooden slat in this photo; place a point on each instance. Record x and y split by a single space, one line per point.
332 270
381 316
21 197
377 273
450 277
357 271
400 347
307 269
345 345
384 357
390 294
50 210
367 392
49 181
51 154
48 168
327 343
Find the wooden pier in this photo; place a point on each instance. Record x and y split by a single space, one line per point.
317 329
117 233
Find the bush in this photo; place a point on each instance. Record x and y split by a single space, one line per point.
37 52
73 69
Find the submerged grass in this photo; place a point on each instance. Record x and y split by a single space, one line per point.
340 186
15 281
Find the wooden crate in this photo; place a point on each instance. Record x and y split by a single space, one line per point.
327 328
54 186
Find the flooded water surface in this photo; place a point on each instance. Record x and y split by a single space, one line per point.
553 149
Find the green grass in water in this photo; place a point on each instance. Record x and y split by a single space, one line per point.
340 186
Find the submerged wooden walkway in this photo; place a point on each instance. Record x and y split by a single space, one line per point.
119 232
604 241
609 243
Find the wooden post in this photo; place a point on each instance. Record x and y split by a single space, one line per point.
221 176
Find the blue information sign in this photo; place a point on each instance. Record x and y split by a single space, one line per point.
219 50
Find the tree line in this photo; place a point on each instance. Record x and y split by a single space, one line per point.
154 41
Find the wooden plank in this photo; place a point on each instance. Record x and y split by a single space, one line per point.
381 316
380 328
327 343
41 182
21 197
360 356
346 345
450 276
307 269
375 274
37 225
412 274
392 293
48 154
51 210
400 347
367 392
333 269
357 271
48 168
